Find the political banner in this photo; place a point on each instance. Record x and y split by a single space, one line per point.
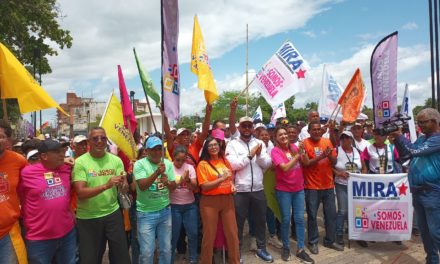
379 207
407 110
258 115
285 74
170 62
353 98
383 70
278 111
331 91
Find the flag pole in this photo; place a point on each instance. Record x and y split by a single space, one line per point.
161 78
247 72
246 88
5 111
337 113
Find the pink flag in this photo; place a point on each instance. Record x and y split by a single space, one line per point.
127 110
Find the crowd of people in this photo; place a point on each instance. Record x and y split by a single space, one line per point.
68 201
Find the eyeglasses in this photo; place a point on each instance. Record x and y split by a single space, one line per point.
180 160
99 138
249 126
423 122
213 145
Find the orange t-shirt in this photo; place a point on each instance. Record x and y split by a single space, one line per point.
205 173
10 165
320 175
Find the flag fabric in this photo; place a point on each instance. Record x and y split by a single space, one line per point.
17 82
170 63
127 109
331 91
258 115
29 128
44 125
407 110
285 74
200 65
278 111
383 70
147 82
353 98
113 123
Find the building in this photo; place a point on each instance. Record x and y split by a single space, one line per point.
82 111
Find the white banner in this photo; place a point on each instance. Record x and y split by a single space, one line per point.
278 111
285 74
379 207
331 91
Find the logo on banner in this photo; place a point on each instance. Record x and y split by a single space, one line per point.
361 218
378 190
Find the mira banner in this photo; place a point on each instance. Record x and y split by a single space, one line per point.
379 207
383 70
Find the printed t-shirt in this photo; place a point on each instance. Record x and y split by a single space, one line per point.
320 175
45 201
156 197
372 154
96 172
291 180
205 173
183 193
10 165
343 163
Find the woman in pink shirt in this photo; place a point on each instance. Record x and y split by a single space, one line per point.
289 187
183 207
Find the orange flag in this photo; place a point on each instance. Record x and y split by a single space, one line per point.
353 98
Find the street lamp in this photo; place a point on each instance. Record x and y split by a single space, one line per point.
132 101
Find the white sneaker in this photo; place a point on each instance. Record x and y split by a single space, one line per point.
275 242
252 243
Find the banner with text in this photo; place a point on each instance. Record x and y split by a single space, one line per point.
285 74
379 207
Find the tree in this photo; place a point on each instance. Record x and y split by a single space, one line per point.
26 28
13 110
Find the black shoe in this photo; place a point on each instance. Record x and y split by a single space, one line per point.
285 254
415 232
340 240
362 243
335 246
398 242
314 249
304 257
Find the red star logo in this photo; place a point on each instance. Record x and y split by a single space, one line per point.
402 189
300 73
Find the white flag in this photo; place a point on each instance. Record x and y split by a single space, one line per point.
407 110
278 111
285 74
258 115
331 91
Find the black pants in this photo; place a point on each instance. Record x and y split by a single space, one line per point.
93 237
256 202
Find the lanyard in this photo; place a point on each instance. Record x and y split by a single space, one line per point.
352 151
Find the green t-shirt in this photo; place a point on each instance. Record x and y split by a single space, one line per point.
157 196
97 172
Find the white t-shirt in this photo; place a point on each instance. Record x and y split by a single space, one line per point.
183 193
343 164
361 145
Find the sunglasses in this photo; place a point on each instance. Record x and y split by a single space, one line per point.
99 138
247 126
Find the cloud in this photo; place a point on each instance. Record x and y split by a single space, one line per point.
410 26
310 34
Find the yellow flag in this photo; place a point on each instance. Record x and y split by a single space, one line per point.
113 123
16 82
200 65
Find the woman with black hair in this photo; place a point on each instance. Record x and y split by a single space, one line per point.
214 174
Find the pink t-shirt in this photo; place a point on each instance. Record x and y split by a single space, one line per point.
287 181
45 201
183 193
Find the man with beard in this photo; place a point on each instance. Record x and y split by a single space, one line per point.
248 158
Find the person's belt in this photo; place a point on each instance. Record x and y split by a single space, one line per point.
420 189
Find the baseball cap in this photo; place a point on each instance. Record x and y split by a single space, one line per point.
152 142
18 144
31 153
49 145
270 126
182 129
260 125
346 133
79 139
218 134
357 124
246 119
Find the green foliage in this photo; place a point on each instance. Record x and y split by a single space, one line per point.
188 122
13 110
29 24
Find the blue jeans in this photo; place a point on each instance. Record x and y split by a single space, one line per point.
188 214
313 199
427 208
62 250
7 251
342 215
288 201
134 243
152 225
271 223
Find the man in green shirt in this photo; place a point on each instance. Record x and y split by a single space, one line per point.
97 176
154 178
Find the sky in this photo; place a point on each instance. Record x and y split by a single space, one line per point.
338 33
